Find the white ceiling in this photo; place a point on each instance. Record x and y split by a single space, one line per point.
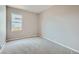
32 8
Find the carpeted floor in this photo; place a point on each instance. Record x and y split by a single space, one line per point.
35 45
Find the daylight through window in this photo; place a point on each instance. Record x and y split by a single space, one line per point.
16 22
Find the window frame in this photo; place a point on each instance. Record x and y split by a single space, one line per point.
16 19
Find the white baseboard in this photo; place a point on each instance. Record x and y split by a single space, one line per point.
63 45
19 38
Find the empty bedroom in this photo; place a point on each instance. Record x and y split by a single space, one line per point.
39 29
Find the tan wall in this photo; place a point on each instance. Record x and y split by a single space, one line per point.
29 26
61 24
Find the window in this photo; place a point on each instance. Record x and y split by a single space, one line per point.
16 22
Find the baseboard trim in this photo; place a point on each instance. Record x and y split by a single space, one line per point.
19 38
62 45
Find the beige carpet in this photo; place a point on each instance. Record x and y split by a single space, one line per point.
33 46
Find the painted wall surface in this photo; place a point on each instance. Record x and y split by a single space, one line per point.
29 24
2 25
61 24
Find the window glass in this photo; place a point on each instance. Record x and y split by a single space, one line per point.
16 22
